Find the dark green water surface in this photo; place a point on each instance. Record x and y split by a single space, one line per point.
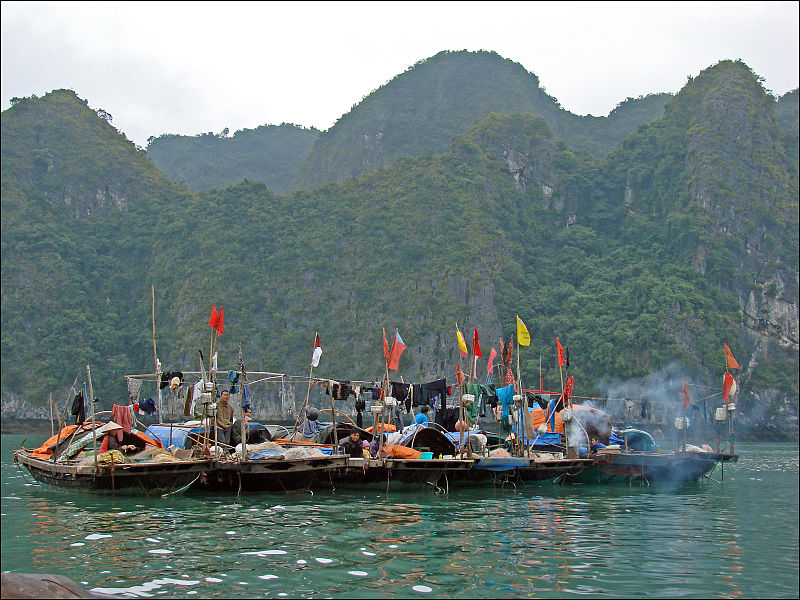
702 540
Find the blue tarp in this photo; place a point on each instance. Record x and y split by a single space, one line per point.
501 463
162 433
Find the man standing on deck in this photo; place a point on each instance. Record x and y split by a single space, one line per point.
224 418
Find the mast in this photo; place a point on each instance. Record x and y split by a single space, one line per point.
94 429
155 355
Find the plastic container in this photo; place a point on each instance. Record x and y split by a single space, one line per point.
426 456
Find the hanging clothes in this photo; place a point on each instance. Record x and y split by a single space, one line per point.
134 387
148 406
121 415
434 393
233 378
447 417
506 397
167 377
78 408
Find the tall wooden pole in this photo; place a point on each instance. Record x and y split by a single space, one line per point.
155 355
50 404
94 429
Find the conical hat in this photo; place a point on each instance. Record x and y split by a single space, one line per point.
110 426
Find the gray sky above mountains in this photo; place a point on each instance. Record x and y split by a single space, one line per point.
188 68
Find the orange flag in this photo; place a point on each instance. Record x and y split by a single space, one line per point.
686 400
729 360
385 345
560 353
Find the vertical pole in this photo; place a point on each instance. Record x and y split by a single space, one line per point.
50 404
155 355
94 429
541 380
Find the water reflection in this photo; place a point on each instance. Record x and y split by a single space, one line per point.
704 540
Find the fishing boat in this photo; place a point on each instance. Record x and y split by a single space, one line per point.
72 460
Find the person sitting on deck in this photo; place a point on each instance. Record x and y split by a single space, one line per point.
352 444
310 428
421 418
112 438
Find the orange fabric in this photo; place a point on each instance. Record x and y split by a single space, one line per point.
384 427
44 450
538 417
148 440
401 452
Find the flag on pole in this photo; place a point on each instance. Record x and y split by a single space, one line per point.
568 390
460 377
317 352
476 349
728 387
686 400
560 353
397 349
523 337
221 320
213 322
492 356
462 345
729 360
385 345
508 353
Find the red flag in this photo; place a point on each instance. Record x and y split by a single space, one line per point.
397 349
476 349
460 377
508 355
385 345
560 353
317 352
568 390
214 320
492 356
219 326
510 377
729 360
686 401
728 387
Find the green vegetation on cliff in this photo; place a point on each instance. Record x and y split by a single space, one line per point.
682 238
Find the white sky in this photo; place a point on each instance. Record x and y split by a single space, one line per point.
193 67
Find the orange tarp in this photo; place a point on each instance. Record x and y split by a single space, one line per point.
401 452
45 450
384 427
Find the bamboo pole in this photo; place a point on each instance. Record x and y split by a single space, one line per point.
50 404
94 429
155 355
245 428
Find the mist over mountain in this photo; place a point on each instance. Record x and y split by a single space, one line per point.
640 251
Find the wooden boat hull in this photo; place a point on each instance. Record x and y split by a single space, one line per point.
517 470
399 474
136 478
645 468
273 475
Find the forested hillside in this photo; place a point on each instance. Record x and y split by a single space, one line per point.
682 238
421 110
271 154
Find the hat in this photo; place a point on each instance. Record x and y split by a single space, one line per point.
110 426
176 381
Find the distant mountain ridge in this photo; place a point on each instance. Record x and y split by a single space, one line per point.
683 237
420 110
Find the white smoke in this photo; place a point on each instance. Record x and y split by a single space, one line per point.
662 386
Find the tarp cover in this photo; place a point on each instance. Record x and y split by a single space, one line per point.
501 463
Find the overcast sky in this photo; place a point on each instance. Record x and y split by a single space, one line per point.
193 67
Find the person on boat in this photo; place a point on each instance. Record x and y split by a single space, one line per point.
421 418
595 445
112 439
352 444
310 428
224 418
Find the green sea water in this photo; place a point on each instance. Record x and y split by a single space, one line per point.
736 539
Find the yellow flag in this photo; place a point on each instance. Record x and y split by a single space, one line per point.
523 337
462 345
